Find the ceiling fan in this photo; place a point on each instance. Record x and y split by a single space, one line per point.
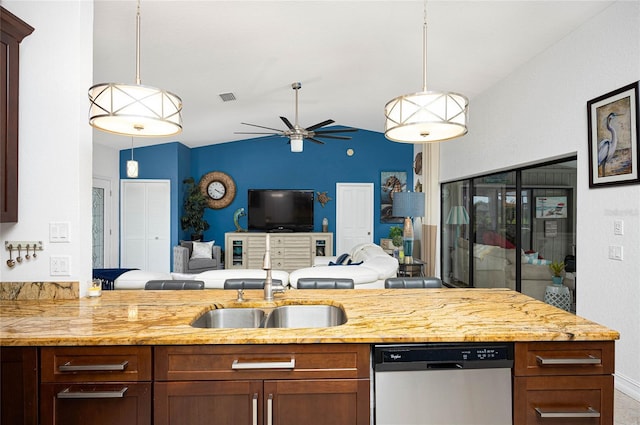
297 134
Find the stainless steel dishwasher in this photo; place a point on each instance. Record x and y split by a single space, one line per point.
443 384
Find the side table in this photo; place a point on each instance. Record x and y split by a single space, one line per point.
558 296
415 268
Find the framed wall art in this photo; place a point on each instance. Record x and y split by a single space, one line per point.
390 183
613 138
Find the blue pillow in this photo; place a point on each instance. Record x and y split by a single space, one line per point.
340 260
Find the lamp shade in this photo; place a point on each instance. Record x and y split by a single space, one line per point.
458 215
134 110
426 117
296 142
408 204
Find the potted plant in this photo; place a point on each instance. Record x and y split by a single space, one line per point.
395 234
557 268
194 205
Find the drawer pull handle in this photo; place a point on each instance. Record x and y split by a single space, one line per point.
67 393
590 412
255 409
569 361
238 365
119 367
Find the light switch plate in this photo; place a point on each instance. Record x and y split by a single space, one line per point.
618 227
60 265
59 232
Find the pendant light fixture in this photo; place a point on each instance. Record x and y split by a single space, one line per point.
426 116
132 166
135 110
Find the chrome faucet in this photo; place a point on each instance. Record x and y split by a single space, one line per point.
269 287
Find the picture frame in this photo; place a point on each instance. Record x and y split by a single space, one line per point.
613 138
390 182
551 207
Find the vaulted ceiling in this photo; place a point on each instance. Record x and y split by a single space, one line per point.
350 56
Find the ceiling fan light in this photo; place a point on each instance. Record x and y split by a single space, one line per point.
296 143
142 111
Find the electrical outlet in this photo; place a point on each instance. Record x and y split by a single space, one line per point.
618 227
60 265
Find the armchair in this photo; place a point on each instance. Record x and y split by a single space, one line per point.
184 263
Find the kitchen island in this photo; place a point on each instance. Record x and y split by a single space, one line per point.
150 333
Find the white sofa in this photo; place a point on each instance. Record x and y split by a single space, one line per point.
376 266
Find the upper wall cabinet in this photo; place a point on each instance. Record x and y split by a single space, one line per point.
13 30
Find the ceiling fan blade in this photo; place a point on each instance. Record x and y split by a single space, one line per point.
335 131
326 136
255 132
311 139
262 126
287 122
320 124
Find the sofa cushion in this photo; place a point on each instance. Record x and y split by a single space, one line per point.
360 274
214 279
136 279
202 264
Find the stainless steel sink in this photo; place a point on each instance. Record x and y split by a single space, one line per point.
306 316
230 318
288 316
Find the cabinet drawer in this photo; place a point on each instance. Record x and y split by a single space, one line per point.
566 400
95 364
261 362
564 358
96 404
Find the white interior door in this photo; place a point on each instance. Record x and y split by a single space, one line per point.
354 215
146 227
101 223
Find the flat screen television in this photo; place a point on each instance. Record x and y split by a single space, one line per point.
280 210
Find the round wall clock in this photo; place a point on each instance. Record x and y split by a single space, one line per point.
219 188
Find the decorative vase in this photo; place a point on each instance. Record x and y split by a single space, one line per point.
557 280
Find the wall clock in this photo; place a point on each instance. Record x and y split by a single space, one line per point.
219 189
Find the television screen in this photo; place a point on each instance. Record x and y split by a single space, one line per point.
280 210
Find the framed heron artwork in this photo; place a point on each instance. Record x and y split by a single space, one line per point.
613 137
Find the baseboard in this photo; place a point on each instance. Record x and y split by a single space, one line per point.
628 386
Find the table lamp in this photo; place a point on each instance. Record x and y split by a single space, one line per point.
408 205
458 216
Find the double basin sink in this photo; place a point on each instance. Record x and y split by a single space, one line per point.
287 316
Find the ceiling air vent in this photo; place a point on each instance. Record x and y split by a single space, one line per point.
227 97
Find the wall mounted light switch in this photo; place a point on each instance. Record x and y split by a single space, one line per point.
59 231
60 266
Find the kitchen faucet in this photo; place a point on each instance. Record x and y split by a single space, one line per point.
269 287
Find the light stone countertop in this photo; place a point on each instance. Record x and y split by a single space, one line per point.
374 316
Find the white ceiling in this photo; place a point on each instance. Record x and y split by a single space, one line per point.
351 57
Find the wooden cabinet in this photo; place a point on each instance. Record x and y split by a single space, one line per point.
262 384
563 383
289 251
12 31
19 390
96 385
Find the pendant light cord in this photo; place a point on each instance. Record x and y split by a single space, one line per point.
424 49
138 44
132 148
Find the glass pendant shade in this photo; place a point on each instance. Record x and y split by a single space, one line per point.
296 143
135 110
426 117
132 169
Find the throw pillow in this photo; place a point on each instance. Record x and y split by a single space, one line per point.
340 260
202 250
538 262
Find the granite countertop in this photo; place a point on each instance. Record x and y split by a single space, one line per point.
374 316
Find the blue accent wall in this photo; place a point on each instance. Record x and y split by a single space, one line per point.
268 163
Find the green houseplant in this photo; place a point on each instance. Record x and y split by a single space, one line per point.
395 234
194 205
557 268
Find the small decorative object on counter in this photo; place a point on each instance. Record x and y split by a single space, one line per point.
236 219
96 288
325 225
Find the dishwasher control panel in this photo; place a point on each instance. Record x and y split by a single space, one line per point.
442 356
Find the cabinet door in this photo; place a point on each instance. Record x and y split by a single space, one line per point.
19 377
96 404
317 402
208 402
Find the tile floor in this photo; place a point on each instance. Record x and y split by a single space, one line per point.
626 410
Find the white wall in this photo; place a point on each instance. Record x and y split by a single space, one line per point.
55 140
539 112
